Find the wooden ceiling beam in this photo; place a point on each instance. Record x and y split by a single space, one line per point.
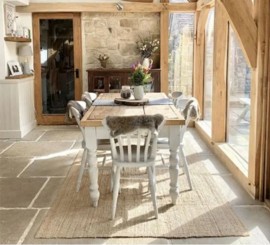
244 25
89 7
205 3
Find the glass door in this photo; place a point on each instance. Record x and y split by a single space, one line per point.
57 45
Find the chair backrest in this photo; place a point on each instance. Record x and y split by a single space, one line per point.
191 112
136 142
175 95
89 98
77 109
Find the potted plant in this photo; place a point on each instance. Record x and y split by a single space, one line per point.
139 77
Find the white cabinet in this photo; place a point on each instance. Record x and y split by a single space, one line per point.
17 111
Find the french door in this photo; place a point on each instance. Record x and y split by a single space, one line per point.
57 64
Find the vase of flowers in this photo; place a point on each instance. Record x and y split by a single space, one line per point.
147 47
139 77
103 59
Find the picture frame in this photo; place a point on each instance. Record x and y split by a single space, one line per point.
14 68
9 11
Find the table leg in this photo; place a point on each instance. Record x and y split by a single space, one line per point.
91 145
174 141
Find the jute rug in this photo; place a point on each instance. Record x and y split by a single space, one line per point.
202 212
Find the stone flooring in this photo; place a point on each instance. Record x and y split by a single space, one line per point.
32 169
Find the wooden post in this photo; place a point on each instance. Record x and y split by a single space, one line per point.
219 75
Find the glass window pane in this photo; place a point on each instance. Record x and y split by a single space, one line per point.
239 80
181 36
57 64
208 68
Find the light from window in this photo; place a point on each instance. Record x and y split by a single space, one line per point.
238 107
208 68
181 36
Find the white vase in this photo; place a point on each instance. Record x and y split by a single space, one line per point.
147 63
138 92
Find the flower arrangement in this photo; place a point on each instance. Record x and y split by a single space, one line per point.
103 57
103 60
140 75
147 46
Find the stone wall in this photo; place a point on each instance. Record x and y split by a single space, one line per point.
115 34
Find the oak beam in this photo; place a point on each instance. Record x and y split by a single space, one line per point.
244 25
164 51
89 7
219 74
205 3
199 51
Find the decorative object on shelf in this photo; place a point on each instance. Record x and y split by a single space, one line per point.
103 59
26 32
25 51
10 19
125 92
147 63
147 46
14 68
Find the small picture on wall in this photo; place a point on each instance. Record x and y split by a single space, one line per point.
15 68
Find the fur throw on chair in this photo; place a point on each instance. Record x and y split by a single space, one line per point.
81 107
121 125
192 107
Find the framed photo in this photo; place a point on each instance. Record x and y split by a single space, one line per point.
9 18
14 68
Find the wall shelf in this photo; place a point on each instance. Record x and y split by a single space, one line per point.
18 39
19 76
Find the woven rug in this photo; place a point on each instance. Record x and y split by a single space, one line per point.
202 212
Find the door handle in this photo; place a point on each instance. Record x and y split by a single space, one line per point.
77 72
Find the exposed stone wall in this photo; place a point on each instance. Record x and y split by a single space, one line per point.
115 34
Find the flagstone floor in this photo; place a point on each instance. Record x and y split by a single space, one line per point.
33 168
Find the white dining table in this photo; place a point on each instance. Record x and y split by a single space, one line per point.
94 130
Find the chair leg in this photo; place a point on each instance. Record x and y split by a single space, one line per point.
82 168
185 165
152 185
116 184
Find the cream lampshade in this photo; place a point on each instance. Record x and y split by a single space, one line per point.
25 51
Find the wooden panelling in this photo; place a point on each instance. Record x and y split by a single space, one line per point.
219 74
244 26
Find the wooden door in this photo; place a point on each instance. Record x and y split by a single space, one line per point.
57 64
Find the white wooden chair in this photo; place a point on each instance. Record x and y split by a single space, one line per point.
76 109
191 112
189 108
136 148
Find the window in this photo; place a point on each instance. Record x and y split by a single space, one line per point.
208 68
238 113
181 36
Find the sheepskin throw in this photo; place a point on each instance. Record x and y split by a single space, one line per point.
80 106
121 125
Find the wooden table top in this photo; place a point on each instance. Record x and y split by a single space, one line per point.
96 113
